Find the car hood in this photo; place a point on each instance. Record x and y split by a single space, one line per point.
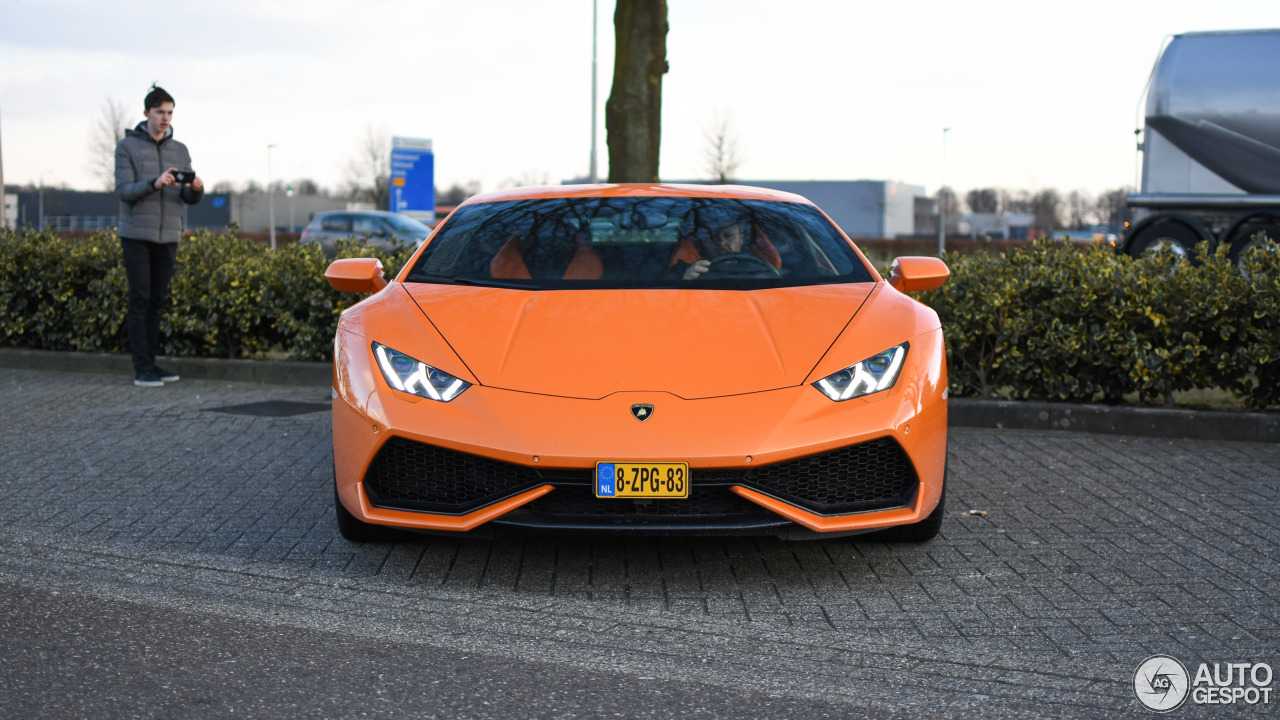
590 343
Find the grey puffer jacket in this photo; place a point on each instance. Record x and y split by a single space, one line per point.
145 212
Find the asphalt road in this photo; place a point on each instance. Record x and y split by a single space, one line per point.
164 554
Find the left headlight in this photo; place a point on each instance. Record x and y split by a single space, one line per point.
872 375
416 377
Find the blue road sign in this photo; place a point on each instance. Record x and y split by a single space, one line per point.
413 190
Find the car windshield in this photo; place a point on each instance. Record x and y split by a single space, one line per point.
639 242
407 226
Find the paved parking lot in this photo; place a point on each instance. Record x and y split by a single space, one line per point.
1082 556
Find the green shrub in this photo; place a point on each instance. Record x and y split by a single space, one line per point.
230 297
61 294
1047 321
1054 322
1253 369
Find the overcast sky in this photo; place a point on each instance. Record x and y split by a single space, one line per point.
1036 94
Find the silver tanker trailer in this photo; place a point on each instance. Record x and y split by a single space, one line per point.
1211 151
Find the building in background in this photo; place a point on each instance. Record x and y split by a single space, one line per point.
65 210
997 226
862 208
252 214
76 210
9 218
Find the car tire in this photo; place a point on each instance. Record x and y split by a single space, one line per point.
1167 236
356 530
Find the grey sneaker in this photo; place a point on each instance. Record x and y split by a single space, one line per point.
148 378
166 375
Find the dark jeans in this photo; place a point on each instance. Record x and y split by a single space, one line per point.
149 267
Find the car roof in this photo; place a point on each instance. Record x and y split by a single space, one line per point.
739 192
378 213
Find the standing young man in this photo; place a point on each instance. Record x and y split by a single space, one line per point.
151 192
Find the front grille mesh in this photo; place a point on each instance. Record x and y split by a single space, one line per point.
874 475
416 476
409 475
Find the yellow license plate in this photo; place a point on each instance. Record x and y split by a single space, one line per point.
642 480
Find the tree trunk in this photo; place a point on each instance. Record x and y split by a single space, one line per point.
633 114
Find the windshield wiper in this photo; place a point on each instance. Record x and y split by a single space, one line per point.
469 281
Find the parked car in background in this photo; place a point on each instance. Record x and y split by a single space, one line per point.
1097 234
385 229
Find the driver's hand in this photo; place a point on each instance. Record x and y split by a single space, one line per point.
697 269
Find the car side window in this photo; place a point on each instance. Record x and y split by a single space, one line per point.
337 223
364 225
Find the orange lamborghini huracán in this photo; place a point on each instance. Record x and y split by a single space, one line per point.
639 358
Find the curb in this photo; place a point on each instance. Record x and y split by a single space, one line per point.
282 372
1115 420
962 412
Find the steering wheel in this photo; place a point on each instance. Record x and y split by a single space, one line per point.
740 264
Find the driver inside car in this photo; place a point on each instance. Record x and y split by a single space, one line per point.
730 247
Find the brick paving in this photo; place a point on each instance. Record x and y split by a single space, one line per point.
1085 555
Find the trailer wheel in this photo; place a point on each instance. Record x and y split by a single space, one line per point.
1244 239
1167 236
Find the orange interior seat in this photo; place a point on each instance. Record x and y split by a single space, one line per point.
508 264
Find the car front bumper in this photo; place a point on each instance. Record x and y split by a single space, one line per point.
550 445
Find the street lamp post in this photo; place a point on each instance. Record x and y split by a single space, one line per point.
595 24
271 200
289 193
4 209
942 198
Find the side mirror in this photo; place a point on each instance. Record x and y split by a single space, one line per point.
358 275
910 274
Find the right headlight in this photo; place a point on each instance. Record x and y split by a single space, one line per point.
872 375
416 377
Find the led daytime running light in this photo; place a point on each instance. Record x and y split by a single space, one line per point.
418 380
864 378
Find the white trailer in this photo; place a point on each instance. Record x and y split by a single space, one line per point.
1211 145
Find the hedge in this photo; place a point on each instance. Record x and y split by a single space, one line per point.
230 297
1053 322
1048 321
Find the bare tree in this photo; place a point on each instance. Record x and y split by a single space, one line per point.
107 130
633 113
1046 205
369 172
1018 201
307 186
1079 210
457 193
952 201
946 199
1112 208
526 178
983 200
721 154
